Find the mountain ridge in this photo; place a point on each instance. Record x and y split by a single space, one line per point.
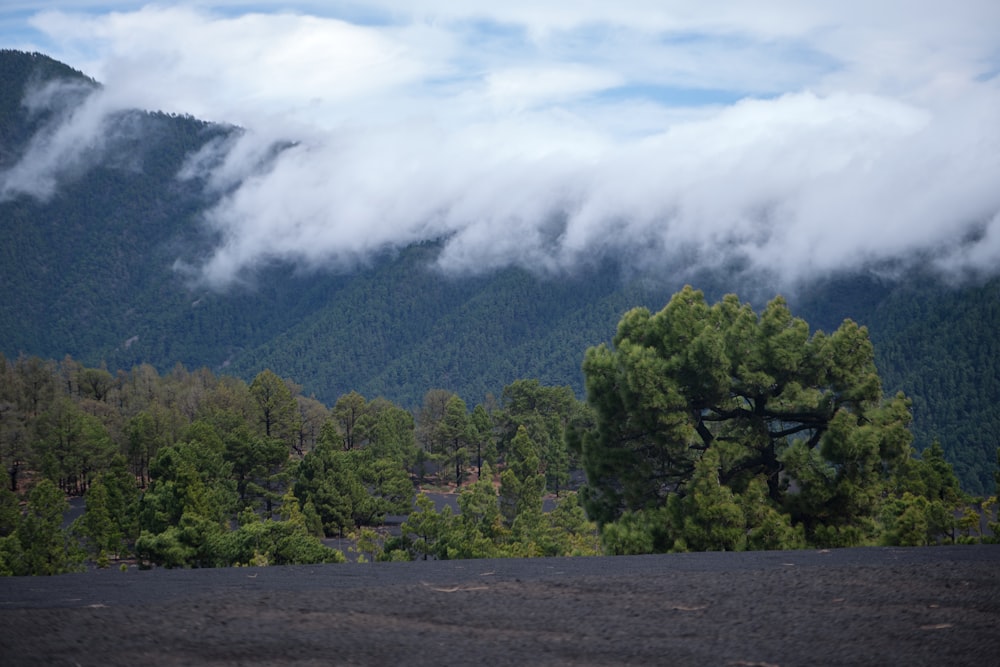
100 255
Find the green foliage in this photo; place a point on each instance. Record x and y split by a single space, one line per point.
484 437
190 479
708 517
925 502
10 511
15 441
427 528
990 514
347 412
146 434
11 556
390 432
71 446
96 525
347 489
266 542
638 532
455 433
388 486
277 411
196 541
996 472
39 545
938 343
545 412
470 335
907 521
698 405
258 465
329 480
521 483
108 245
369 544
112 294
767 527
568 530
190 542
480 529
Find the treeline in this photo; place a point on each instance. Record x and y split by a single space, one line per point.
102 257
941 347
707 427
194 469
717 427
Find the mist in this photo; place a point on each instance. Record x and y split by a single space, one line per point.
794 149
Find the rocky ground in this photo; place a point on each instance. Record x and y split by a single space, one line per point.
877 606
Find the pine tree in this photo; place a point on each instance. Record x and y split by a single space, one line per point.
521 489
708 516
45 547
478 531
96 525
756 397
427 528
277 411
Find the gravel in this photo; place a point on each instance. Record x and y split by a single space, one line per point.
868 606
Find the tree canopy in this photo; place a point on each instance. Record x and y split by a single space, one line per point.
707 427
698 396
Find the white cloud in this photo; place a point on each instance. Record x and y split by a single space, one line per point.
800 137
71 140
237 69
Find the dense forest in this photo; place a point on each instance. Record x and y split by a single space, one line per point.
706 428
194 469
127 381
100 245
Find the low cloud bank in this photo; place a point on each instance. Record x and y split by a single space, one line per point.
797 187
793 147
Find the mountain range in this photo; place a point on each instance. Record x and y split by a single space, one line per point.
98 245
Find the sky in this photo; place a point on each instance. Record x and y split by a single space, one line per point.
792 139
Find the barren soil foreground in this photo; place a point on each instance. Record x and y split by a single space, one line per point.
872 606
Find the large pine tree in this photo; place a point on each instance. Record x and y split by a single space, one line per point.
772 404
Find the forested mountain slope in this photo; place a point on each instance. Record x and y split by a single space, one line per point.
942 347
87 268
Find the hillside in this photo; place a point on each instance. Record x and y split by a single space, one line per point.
91 244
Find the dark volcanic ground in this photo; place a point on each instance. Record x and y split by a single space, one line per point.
877 606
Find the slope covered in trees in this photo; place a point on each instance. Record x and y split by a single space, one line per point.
88 270
718 428
706 428
190 469
941 346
